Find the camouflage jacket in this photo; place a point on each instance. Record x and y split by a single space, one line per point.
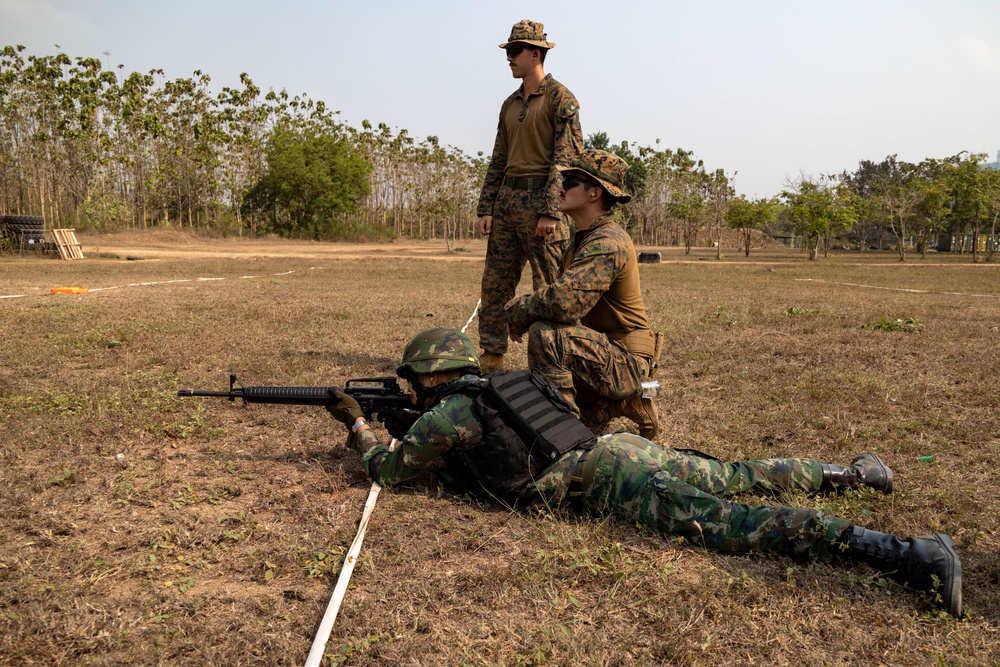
452 424
598 285
563 114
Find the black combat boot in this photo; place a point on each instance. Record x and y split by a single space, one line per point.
927 564
865 470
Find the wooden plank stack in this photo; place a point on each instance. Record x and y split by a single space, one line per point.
65 240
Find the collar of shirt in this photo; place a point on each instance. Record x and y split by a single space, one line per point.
581 235
519 93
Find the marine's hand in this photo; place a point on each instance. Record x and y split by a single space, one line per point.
345 409
486 225
514 336
546 226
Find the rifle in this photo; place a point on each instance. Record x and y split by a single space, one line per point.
381 399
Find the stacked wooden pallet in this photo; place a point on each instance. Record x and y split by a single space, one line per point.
66 243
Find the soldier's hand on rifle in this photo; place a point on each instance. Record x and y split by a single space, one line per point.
345 410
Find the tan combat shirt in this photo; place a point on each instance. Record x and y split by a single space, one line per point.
533 136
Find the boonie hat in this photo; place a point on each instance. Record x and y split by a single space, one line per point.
528 32
606 168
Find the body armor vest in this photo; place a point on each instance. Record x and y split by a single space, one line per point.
527 425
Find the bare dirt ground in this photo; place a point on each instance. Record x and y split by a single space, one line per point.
145 529
179 244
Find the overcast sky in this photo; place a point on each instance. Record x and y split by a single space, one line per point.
766 90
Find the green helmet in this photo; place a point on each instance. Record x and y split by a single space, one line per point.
436 350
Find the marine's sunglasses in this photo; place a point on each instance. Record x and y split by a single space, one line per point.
570 182
514 51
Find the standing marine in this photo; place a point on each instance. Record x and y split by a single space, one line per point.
518 209
678 493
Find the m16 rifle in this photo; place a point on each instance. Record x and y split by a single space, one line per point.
381 399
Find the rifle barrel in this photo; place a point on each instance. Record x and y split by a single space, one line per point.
199 392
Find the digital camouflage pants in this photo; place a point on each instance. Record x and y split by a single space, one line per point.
511 243
599 371
685 494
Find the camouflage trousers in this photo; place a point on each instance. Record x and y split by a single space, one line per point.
598 370
511 243
684 494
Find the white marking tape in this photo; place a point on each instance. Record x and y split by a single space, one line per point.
473 315
156 282
893 289
340 588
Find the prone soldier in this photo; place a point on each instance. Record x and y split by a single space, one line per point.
624 475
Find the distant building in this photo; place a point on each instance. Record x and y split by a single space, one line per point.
993 165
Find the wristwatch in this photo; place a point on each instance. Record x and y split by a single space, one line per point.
358 424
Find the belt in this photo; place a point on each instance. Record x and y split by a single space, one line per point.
526 183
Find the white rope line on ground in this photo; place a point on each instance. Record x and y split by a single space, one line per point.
340 588
473 315
343 579
894 289
155 282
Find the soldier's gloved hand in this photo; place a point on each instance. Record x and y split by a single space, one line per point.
398 422
345 409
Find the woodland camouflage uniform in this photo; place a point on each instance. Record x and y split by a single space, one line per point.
546 123
588 330
629 477
680 493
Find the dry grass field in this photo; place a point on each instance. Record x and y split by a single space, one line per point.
139 528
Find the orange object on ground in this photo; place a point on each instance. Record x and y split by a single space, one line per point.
68 290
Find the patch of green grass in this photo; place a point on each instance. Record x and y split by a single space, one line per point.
326 561
64 477
355 648
723 316
906 325
195 423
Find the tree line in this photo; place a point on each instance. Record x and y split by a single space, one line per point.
92 148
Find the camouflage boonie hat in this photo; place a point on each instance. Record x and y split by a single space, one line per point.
528 32
606 168
436 350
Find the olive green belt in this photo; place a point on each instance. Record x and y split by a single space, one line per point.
525 183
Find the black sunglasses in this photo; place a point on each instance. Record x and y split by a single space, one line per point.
570 182
514 51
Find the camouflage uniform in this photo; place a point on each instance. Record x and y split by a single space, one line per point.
676 492
627 476
516 208
574 356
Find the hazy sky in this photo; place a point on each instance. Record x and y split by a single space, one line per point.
767 90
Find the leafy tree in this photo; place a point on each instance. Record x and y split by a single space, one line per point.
970 208
991 182
719 192
746 216
313 173
818 210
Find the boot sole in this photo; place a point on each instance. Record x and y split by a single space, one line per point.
951 588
